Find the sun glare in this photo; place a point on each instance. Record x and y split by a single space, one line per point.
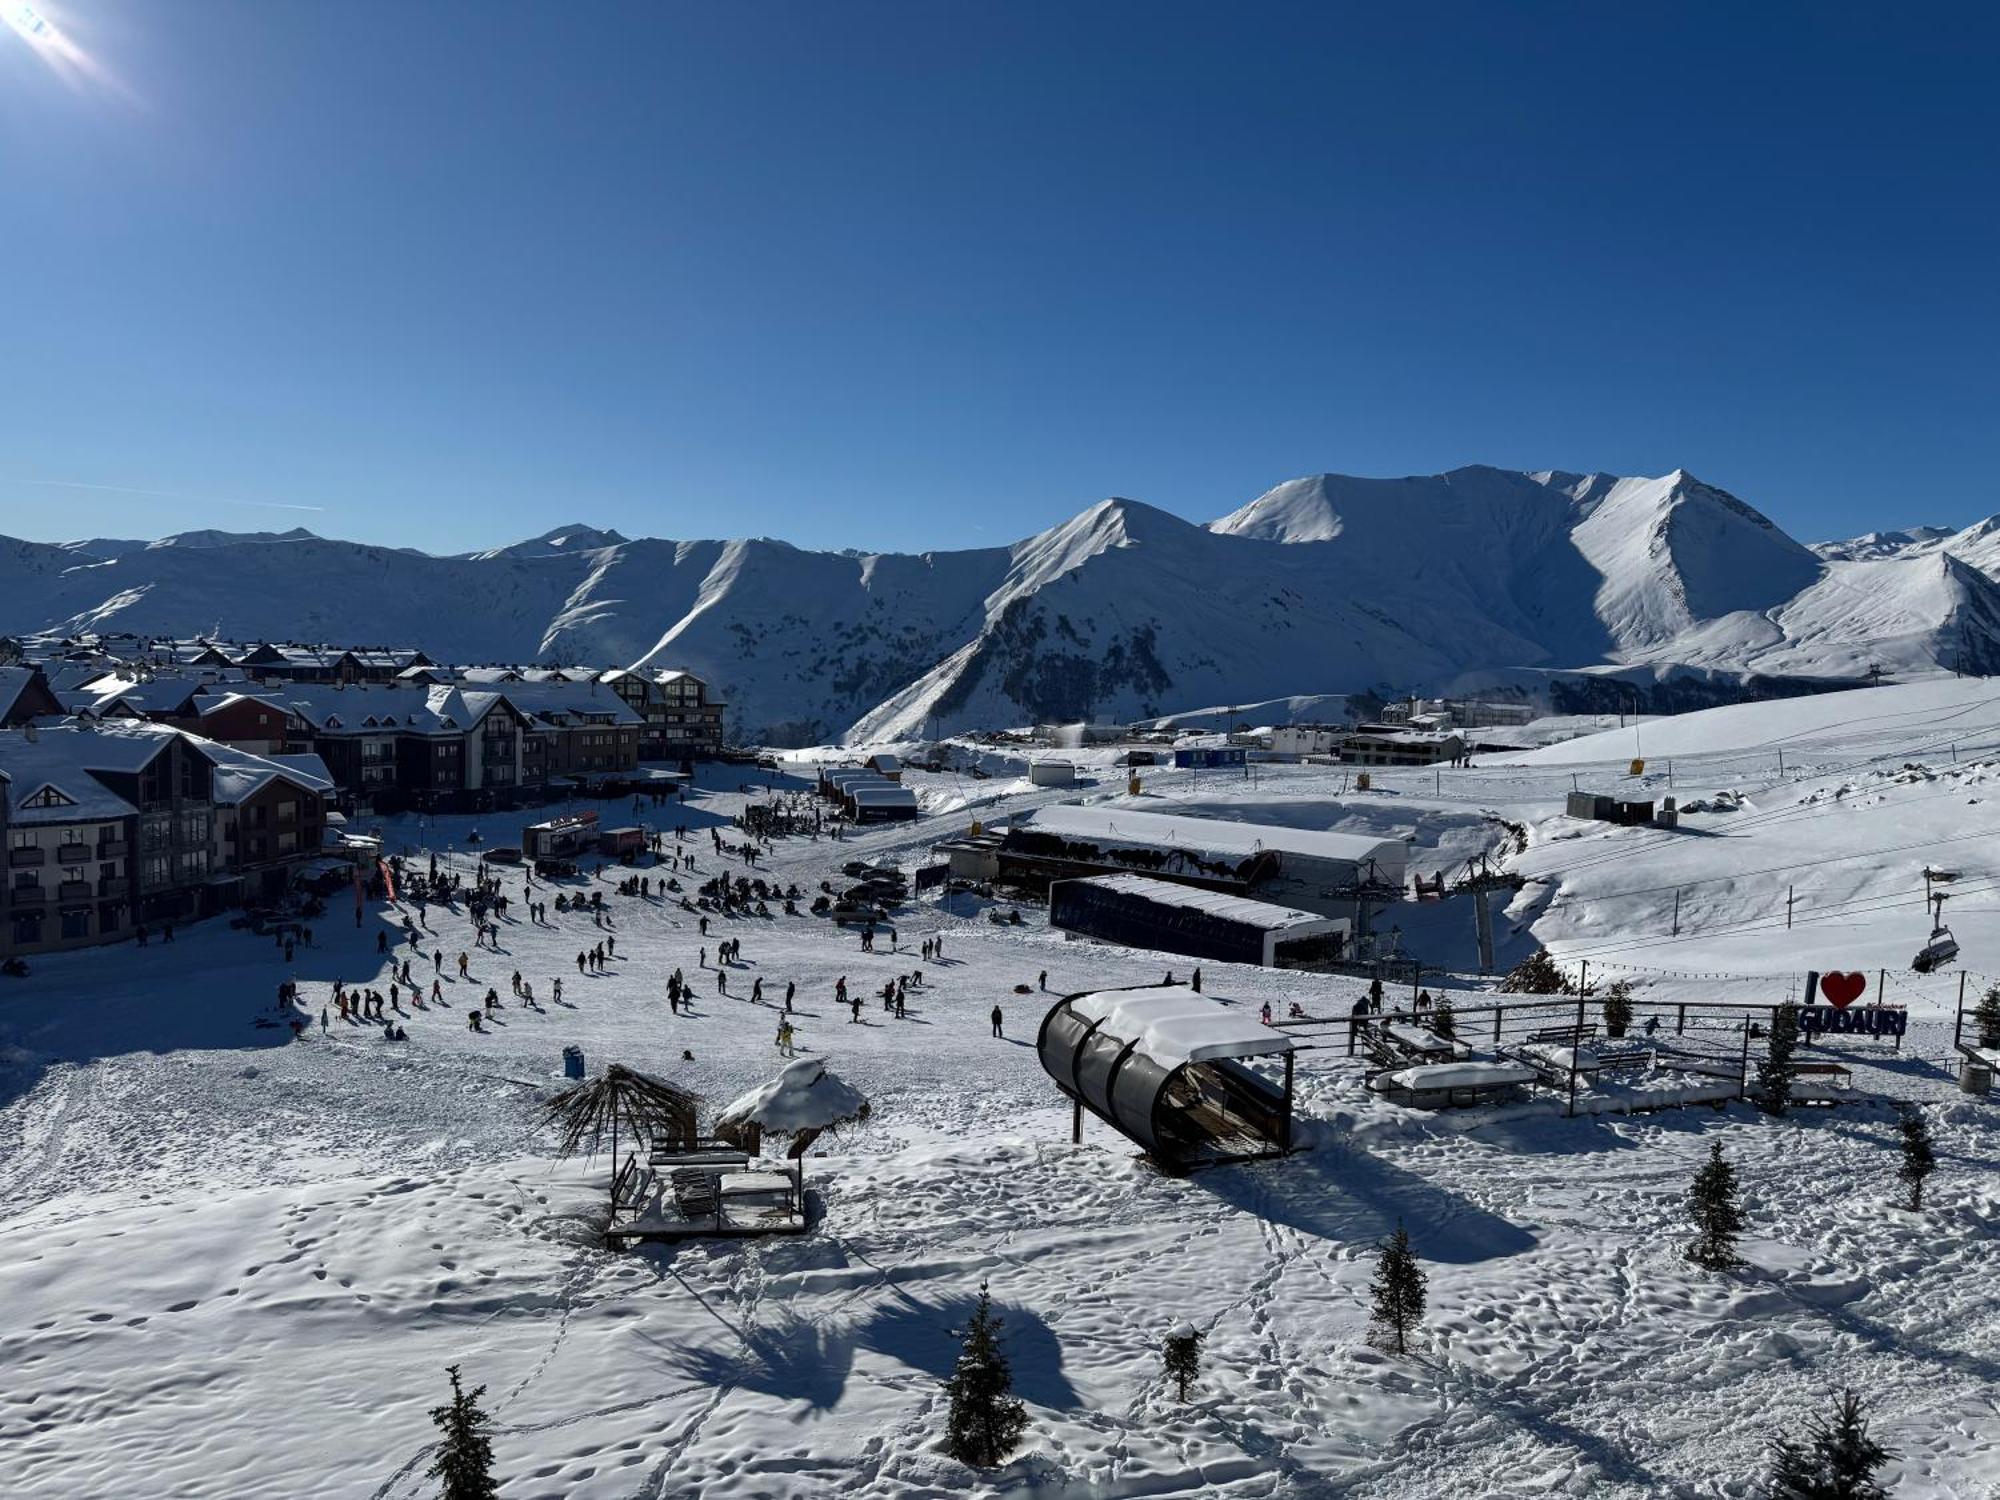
47 40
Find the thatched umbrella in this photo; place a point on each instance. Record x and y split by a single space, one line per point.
805 1102
653 1110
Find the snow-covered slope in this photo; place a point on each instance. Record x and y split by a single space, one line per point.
1327 584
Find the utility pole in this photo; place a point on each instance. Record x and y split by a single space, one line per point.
1677 911
1788 908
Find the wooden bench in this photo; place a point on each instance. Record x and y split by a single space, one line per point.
1807 1087
1564 1036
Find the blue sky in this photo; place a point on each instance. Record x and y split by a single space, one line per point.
936 274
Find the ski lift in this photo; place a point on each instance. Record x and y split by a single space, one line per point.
1942 947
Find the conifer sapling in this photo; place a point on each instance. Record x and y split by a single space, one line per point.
1837 1461
1919 1157
1986 1017
985 1420
1398 1290
1775 1074
1717 1218
1536 974
1618 1008
464 1464
1444 1020
1181 1355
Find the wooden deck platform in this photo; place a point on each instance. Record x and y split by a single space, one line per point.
722 1197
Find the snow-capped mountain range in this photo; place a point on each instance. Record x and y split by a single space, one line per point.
1327 584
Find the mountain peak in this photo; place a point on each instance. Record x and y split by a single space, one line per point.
564 541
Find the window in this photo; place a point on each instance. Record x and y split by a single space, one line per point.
76 923
48 796
27 927
22 838
27 880
158 870
288 843
194 828
74 836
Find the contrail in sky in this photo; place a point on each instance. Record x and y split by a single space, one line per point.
123 489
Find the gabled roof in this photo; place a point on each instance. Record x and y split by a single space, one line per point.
240 775
560 702
13 683
442 709
65 756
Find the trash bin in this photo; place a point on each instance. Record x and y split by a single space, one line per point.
1974 1077
572 1062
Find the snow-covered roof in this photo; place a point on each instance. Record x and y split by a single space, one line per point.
212 702
803 1097
62 757
1124 825
558 698
240 775
1173 1025
13 682
439 709
1267 916
887 794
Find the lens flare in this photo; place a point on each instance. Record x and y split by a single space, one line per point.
47 41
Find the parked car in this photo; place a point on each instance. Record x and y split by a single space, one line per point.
505 855
554 869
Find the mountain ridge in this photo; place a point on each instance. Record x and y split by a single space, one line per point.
1326 583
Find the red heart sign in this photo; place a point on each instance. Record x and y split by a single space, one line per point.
1842 990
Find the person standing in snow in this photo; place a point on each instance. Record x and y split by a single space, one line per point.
996 1021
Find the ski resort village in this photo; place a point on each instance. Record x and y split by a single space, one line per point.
1337 1095
906 749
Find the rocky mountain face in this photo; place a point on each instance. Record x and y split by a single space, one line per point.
1328 584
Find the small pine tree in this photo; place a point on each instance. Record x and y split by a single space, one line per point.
1919 1158
1794 1474
1717 1218
1444 1020
1618 1008
1398 1292
1536 974
1838 1462
1986 1017
1181 1354
1779 1066
464 1463
986 1420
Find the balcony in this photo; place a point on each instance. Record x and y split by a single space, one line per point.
27 895
17 858
73 854
114 886
113 849
73 892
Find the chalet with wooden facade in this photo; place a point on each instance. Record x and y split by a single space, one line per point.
111 825
678 720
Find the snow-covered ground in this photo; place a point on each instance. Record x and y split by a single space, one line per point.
235 1264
